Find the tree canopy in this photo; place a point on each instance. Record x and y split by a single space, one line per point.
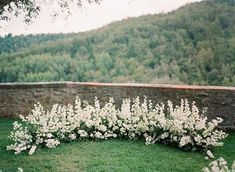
192 45
31 8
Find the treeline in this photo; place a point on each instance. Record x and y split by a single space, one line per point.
192 45
11 44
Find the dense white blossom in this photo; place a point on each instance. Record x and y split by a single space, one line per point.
219 165
185 140
51 143
181 125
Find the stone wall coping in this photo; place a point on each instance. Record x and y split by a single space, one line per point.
61 84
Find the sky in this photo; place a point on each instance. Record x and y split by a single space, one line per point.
88 17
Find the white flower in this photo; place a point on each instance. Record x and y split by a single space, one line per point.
210 155
185 140
51 143
102 128
205 169
82 133
32 149
149 140
19 169
218 165
98 135
72 136
49 135
198 139
164 135
222 162
180 125
16 125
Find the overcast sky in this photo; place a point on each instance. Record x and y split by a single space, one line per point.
90 17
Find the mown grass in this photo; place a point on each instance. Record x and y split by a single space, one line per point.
110 155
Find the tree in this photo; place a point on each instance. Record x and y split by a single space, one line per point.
31 8
167 48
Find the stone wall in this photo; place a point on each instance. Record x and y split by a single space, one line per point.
19 98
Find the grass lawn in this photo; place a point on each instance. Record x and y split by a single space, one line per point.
109 155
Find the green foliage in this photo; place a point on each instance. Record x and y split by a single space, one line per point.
30 9
192 45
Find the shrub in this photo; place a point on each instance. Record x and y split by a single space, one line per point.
183 125
219 165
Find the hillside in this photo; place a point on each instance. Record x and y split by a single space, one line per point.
192 45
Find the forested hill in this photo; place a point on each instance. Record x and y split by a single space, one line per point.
192 45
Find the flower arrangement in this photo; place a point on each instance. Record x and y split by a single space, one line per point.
219 165
183 125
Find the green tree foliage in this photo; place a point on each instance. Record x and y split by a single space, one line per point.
30 9
192 45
